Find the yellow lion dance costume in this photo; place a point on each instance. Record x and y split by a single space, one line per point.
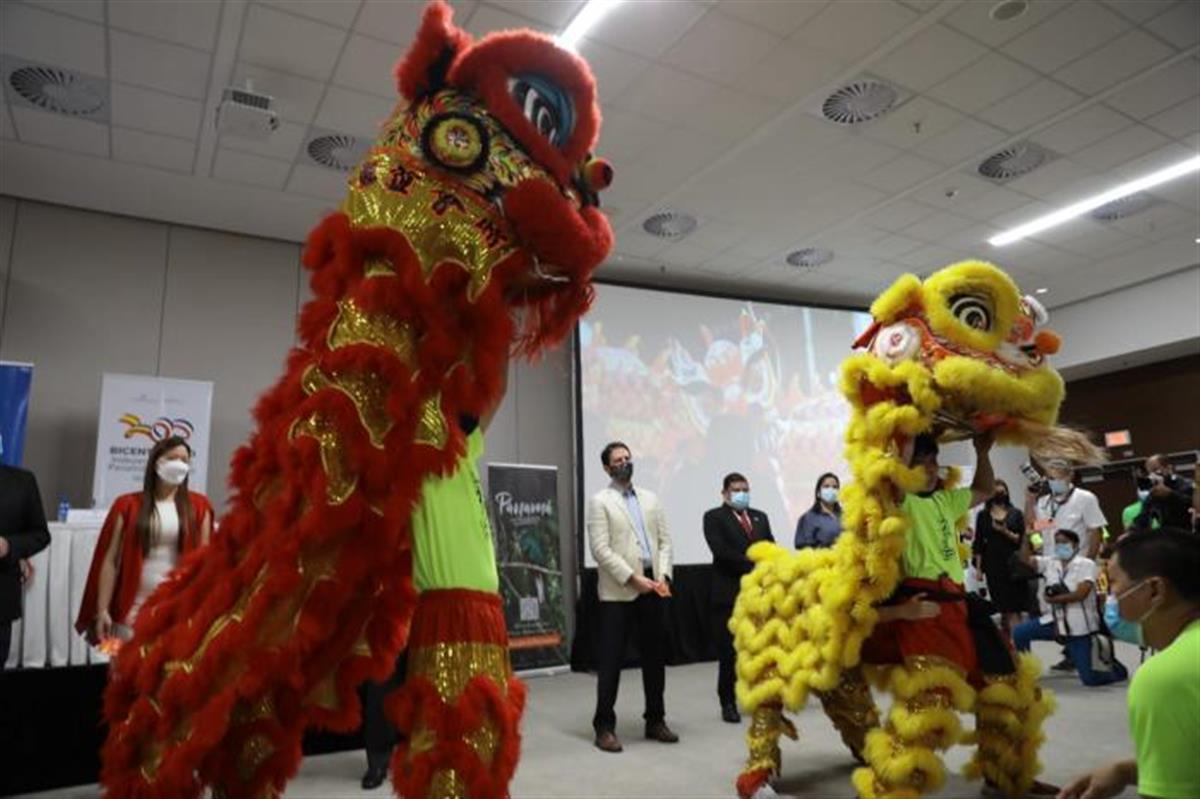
961 353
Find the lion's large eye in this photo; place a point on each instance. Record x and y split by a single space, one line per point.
545 106
973 311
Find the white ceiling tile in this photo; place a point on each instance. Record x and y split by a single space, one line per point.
1030 106
488 19
685 254
1159 91
1121 147
972 238
90 10
158 65
898 215
665 94
51 39
1058 175
250 170
555 13
853 157
296 98
987 81
1066 36
7 131
728 113
937 226
328 184
1180 121
668 163
992 203
150 149
626 137
1161 158
180 21
780 18
719 47
851 30
647 28
155 112
1139 10
1180 26
1127 55
367 65
289 43
1079 130
283 143
953 191
892 246
1157 218
332 12
60 132
928 58
789 72
1184 192
913 123
353 112
975 20
930 257
613 69
717 236
637 243
398 22
968 138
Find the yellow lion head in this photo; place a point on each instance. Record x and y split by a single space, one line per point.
983 342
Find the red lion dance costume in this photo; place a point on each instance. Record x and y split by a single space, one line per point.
470 229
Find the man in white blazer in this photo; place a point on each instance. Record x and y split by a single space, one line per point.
627 533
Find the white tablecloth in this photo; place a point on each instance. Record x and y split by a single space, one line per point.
46 635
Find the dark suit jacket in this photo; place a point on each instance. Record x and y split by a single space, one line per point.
729 542
23 525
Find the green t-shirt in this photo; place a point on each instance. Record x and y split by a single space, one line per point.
1131 512
931 545
1164 719
452 538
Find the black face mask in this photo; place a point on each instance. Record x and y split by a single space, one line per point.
1000 499
624 472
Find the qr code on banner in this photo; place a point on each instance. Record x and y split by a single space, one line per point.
530 608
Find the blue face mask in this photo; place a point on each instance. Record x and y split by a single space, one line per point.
829 495
1059 487
740 500
1122 630
1143 495
1064 551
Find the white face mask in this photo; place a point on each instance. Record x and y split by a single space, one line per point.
171 471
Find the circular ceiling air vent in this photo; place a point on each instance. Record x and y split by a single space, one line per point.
338 151
860 101
670 224
57 90
1009 9
1123 207
809 257
1013 161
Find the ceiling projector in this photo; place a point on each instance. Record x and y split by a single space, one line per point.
246 113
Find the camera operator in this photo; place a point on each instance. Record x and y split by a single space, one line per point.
1170 497
1067 601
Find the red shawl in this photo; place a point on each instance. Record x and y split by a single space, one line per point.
129 574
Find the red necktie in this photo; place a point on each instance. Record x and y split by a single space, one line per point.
744 518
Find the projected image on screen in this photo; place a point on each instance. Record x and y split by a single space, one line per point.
701 386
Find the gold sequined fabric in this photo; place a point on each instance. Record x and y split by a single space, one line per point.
367 390
340 482
354 325
851 708
762 740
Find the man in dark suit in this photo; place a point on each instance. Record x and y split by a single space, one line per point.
23 533
730 530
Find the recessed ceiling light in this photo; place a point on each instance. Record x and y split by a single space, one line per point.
862 100
809 257
587 17
670 224
1042 291
1008 10
1078 209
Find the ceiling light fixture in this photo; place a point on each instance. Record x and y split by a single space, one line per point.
1041 291
587 17
1055 218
